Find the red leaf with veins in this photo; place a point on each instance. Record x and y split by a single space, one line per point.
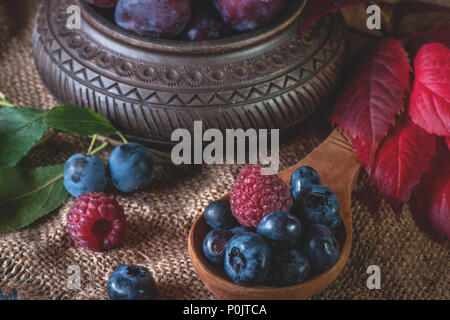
401 160
431 198
430 99
374 95
317 8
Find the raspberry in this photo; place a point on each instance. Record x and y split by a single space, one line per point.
254 196
96 221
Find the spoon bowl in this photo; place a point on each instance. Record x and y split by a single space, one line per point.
338 167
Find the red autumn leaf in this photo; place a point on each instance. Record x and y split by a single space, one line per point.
431 198
401 160
374 95
415 40
317 8
430 99
447 140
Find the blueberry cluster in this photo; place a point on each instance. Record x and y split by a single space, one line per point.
286 248
192 20
130 167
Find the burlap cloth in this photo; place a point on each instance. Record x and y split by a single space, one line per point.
35 260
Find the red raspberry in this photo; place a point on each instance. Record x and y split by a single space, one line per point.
254 196
96 221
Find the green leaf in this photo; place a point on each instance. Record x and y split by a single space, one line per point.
20 130
81 121
28 194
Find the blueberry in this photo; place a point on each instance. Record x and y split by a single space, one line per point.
215 244
241 229
317 204
247 259
289 267
83 174
218 215
336 225
321 247
302 177
281 227
131 166
129 282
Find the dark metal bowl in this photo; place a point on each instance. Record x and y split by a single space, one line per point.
268 78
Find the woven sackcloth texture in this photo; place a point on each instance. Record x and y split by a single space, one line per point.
35 260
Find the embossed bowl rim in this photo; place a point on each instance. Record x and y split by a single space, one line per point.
193 47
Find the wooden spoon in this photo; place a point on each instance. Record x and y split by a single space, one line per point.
338 167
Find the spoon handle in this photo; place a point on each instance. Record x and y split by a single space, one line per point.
334 159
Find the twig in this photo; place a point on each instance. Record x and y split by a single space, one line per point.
91 146
103 146
122 137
